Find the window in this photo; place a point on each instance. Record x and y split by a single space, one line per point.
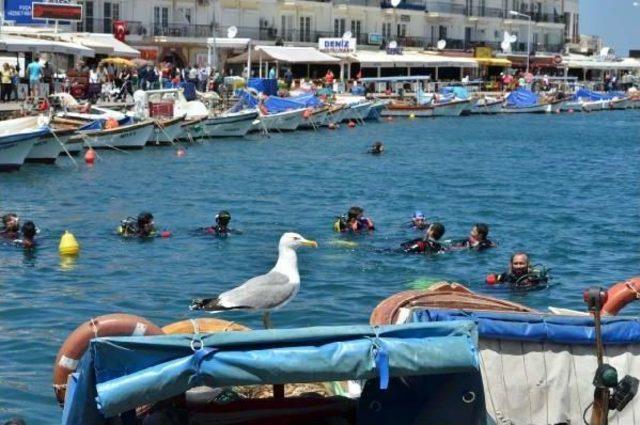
106 20
338 27
576 28
401 30
567 22
184 14
160 19
88 17
287 27
442 32
356 28
386 30
305 29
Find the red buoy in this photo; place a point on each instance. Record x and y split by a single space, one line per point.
181 152
351 124
90 156
491 279
165 234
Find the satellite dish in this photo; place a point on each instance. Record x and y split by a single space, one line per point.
506 46
347 35
442 44
605 51
393 45
513 38
395 3
232 32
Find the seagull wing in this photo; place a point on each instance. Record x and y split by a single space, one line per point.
262 292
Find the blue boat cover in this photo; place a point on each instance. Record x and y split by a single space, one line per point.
573 330
590 95
277 104
117 374
307 100
268 86
459 92
522 98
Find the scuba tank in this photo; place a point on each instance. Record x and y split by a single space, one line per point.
340 224
128 227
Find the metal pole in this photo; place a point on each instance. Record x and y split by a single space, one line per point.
528 43
215 47
248 62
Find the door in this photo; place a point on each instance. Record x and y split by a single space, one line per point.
467 37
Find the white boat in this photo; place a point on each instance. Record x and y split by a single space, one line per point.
454 108
283 121
313 118
595 105
48 147
376 109
620 103
405 109
335 115
131 136
193 128
487 105
357 111
230 124
17 137
166 131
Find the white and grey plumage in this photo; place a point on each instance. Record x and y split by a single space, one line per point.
265 292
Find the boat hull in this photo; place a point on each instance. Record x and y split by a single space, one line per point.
283 121
401 110
357 111
620 103
451 109
132 136
165 132
487 107
47 148
230 125
193 128
14 151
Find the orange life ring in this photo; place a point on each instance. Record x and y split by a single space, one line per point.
78 341
621 294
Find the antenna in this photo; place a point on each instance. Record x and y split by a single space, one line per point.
442 44
232 32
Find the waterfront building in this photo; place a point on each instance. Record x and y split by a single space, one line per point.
179 28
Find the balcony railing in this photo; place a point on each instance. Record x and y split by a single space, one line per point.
404 4
370 3
445 7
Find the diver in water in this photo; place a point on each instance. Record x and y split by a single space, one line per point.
11 226
221 228
354 222
142 227
29 231
418 221
429 243
521 274
376 149
477 239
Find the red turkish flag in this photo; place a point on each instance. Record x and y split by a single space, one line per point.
120 30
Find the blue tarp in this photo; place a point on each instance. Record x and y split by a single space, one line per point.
522 98
459 92
574 330
307 100
268 86
117 374
277 104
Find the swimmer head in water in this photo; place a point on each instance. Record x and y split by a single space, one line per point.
377 148
11 223
145 224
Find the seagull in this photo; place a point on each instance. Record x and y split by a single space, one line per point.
265 292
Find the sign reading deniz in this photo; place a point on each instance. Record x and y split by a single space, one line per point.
337 45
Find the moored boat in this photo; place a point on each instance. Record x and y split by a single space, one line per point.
48 147
127 136
487 105
537 368
230 124
166 130
17 137
523 101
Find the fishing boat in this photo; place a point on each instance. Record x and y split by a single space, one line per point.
17 137
282 121
376 109
230 124
620 103
588 101
391 375
523 101
166 130
193 128
127 135
407 109
487 105
452 108
48 147
537 368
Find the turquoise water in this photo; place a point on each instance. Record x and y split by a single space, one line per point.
564 188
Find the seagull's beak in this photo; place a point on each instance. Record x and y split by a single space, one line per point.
309 243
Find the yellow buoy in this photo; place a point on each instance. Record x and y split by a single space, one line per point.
68 244
412 116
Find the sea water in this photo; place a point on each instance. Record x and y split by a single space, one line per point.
564 188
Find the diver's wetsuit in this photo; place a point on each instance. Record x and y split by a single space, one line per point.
422 246
527 280
478 246
362 224
218 230
7 234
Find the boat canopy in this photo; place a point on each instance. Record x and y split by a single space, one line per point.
117 374
573 330
282 104
458 92
522 98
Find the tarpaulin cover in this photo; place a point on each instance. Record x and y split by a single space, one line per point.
277 104
522 98
573 330
245 101
459 92
117 374
268 86
307 100
585 94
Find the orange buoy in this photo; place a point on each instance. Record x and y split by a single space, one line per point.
202 325
621 294
90 156
111 123
351 124
78 341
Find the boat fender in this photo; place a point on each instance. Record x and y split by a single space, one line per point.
621 294
77 343
307 113
111 123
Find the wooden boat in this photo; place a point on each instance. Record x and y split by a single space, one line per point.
48 147
128 136
537 368
487 105
406 109
166 130
453 108
230 124
17 137
193 128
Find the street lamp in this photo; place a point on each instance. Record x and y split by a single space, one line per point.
515 13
